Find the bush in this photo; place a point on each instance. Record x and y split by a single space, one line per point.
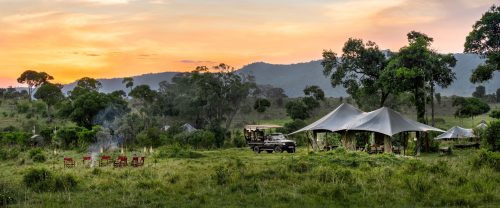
238 139
492 135
488 159
23 107
65 183
37 155
42 180
8 153
8 195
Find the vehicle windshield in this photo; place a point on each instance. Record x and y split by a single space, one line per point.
278 137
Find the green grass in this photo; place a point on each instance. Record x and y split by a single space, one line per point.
241 178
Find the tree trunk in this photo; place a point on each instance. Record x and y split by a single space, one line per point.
49 114
432 104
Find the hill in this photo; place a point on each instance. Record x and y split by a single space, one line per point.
294 77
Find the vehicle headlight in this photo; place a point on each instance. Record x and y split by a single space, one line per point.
283 143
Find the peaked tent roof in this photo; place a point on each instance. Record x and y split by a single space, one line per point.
188 127
482 125
336 120
387 121
456 132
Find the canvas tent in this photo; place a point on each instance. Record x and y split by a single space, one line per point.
457 132
188 128
387 121
337 120
346 119
482 125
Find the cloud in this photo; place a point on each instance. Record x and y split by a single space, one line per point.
197 62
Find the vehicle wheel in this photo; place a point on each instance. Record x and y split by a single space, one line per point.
278 149
256 149
269 151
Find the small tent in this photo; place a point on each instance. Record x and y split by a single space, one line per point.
482 125
457 132
188 128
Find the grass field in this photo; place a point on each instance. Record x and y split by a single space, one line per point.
241 178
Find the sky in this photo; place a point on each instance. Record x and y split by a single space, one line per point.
71 39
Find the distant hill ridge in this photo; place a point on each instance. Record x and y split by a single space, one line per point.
293 78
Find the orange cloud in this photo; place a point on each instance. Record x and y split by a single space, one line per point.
116 38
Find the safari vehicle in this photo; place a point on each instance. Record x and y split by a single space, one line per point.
258 139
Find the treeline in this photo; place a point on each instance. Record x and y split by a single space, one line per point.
207 98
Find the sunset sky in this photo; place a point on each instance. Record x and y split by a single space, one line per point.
70 39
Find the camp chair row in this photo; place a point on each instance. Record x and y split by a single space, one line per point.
105 160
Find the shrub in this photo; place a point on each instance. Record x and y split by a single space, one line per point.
222 175
492 135
65 183
488 159
40 180
8 153
37 155
23 107
8 195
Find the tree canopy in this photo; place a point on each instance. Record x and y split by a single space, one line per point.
51 94
469 107
484 39
33 79
358 70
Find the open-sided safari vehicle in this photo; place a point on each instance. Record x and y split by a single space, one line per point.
260 139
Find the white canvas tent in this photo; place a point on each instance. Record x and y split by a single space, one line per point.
348 119
482 125
389 122
188 128
337 120
457 132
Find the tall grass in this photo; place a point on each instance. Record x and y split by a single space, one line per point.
241 178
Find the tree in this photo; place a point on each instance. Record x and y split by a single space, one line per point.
297 110
261 104
417 68
129 82
469 107
51 94
143 93
495 114
85 85
480 92
315 92
33 79
498 95
484 39
359 70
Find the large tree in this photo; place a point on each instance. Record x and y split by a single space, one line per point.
129 82
51 94
417 68
358 70
33 79
484 39
85 85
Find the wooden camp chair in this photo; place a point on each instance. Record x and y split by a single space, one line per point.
86 158
69 162
105 160
141 161
121 161
134 162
